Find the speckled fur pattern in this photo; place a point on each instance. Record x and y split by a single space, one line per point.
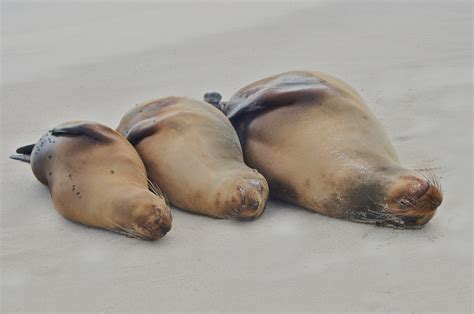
96 178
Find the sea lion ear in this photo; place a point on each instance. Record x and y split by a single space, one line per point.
140 130
92 130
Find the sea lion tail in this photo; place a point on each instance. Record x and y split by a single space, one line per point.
23 153
214 98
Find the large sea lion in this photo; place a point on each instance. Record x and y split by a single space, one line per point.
96 178
320 147
191 148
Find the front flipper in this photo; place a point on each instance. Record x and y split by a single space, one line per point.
285 89
147 127
140 130
92 130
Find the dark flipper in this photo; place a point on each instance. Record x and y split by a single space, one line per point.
280 90
25 150
141 130
20 157
89 129
214 98
23 153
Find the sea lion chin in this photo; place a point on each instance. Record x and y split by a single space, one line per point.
320 147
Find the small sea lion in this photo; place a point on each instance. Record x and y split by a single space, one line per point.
96 178
320 147
191 150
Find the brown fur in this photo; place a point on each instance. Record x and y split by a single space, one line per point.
96 178
319 146
193 152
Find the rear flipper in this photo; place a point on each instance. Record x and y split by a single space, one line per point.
214 98
23 153
92 130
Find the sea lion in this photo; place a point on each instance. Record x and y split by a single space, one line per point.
320 147
96 178
192 148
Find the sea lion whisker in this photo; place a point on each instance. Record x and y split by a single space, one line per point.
426 178
119 232
153 187
438 181
383 217
433 179
134 234
125 229
368 220
376 212
157 191
380 216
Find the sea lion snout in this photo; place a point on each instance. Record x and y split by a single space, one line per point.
414 200
248 198
152 222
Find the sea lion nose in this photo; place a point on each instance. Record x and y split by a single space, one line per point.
165 225
413 193
249 199
152 221
249 204
414 200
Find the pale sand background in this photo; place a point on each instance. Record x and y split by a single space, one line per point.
411 62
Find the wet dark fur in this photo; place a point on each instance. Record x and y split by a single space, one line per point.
365 201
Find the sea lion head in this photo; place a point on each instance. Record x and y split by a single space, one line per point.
143 214
413 199
397 198
244 193
152 222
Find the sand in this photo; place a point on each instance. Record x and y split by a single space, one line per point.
411 61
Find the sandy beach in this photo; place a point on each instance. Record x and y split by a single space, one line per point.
411 62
